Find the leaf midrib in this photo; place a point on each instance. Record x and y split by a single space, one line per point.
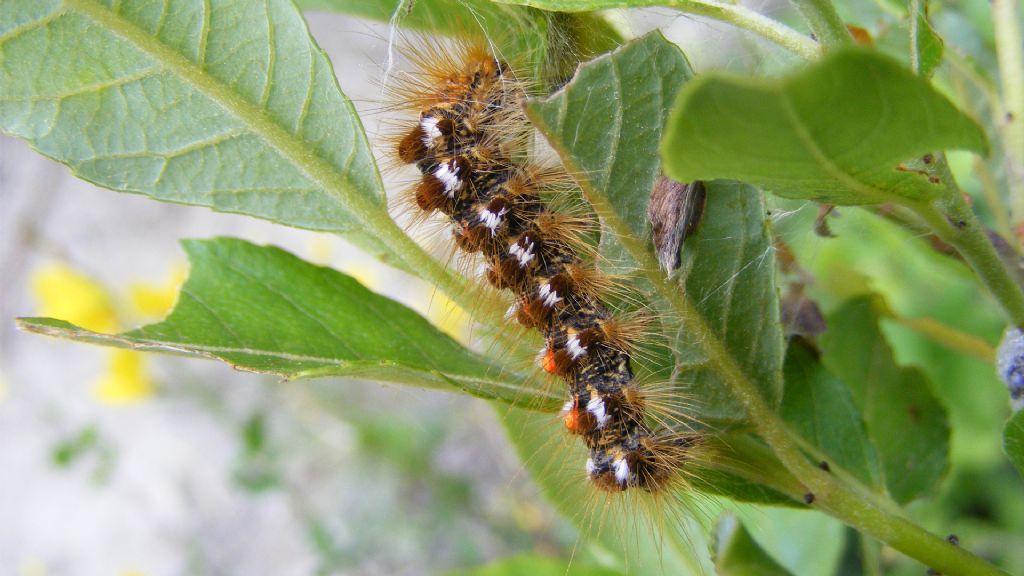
370 208
830 167
296 151
187 348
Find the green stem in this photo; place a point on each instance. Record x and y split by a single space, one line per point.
955 223
751 21
872 515
1010 51
949 337
915 54
825 23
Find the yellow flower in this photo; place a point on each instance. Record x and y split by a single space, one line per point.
321 249
32 568
156 300
126 380
365 275
66 294
448 316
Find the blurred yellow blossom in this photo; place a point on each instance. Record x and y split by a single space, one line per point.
126 380
32 568
448 316
321 249
67 294
3 387
156 300
366 275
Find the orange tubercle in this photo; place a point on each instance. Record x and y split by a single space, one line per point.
548 363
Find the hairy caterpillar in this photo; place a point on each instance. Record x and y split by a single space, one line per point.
470 145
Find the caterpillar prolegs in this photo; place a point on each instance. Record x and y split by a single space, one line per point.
470 144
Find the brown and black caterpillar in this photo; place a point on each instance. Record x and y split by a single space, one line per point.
470 144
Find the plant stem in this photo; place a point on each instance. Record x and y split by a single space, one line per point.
827 492
855 505
955 223
751 21
949 337
915 54
1010 51
825 23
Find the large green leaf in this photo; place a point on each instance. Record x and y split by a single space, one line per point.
1013 440
905 422
835 131
224 103
821 409
606 125
261 309
728 272
773 529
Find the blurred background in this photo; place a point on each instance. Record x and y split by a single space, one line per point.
124 464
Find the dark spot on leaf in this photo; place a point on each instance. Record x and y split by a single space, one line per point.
915 414
809 498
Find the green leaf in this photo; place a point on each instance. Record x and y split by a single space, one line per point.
739 555
775 529
606 125
607 117
1013 440
261 309
728 272
821 409
835 131
224 104
905 422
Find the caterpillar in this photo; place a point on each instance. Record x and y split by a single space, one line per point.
470 143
